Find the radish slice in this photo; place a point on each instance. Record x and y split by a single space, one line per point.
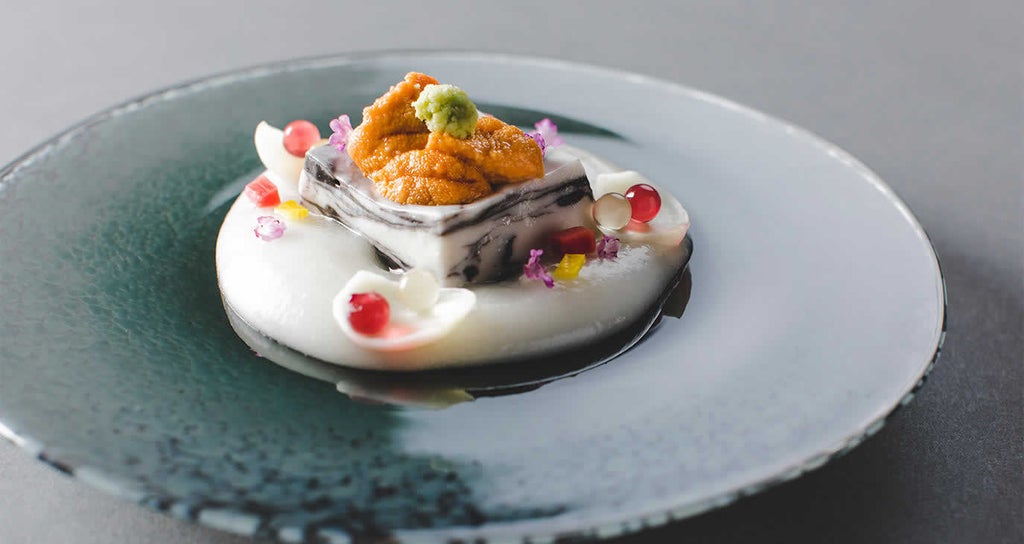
409 327
270 148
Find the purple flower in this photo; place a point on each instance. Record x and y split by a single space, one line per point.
341 127
540 141
546 135
608 248
268 228
535 271
549 130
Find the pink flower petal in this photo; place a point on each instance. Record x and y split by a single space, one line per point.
535 271
342 127
549 130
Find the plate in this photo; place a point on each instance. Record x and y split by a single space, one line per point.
815 309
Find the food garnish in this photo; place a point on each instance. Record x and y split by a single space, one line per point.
292 210
300 136
262 192
573 240
608 248
612 211
368 312
644 201
269 228
446 108
534 270
569 267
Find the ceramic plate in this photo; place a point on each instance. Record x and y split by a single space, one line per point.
815 308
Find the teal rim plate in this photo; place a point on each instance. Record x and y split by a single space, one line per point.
815 307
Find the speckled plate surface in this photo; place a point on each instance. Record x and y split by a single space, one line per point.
816 307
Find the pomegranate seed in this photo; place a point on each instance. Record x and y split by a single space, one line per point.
299 136
578 240
644 201
368 312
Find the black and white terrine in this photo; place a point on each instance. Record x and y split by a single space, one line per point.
486 240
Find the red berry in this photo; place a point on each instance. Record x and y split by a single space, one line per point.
368 312
299 136
645 202
262 192
577 240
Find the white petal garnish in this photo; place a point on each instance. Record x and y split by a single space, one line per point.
408 327
617 182
270 148
668 228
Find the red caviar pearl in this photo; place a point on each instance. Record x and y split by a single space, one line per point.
368 312
299 136
644 201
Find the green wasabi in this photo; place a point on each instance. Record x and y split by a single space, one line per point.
446 108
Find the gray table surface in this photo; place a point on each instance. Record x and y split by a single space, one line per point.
929 94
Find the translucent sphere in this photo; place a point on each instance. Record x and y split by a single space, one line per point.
645 200
368 313
299 136
418 289
612 211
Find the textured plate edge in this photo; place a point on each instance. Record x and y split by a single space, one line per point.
595 529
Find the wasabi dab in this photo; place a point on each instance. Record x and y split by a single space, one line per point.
446 108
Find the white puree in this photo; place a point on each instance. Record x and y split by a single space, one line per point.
284 288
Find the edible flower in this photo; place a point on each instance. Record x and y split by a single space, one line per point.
608 248
341 126
268 228
535 271
548 131
540 141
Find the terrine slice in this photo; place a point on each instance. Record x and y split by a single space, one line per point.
486 240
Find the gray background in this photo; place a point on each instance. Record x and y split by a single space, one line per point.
929 94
